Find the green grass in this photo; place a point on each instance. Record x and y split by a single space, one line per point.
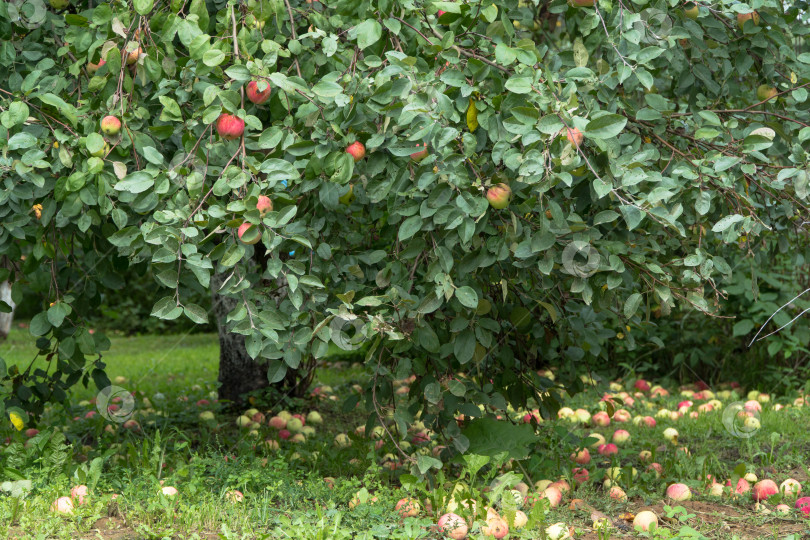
154 363
285 492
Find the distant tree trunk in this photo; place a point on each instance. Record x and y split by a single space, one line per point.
6 318
238 372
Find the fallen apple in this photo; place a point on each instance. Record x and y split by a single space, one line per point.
764 489
679 492
645 521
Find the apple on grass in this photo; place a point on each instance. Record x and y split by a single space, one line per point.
803 505
80 493
234 496
764 489
790 488
408 507
678 492
453 526
62 505
646 521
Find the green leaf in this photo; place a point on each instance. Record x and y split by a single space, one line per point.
39 325
171 110
137 182
143 7
232 256
425 463
57 314
196 313
213 57
276 371
238 73
409 227
66 110
327 89
606 126
742 327
519 85
21 140
198 8
631 305
167 308
726 222
367 33
467 296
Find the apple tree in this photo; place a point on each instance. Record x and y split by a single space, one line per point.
533 180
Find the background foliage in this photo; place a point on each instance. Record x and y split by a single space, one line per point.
682 205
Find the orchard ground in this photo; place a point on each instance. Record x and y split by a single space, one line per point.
331 486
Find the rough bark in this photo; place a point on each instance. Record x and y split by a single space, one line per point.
238 372
6 318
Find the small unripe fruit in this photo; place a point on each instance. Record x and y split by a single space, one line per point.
742 17
499 196
59 4
110 125
766 92
258 96
347 199
691 11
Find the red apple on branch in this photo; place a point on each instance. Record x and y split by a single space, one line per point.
421 154
110 125
230 126
356 150
248 237
258 96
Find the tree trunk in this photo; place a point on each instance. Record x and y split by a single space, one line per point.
238 372
6 318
